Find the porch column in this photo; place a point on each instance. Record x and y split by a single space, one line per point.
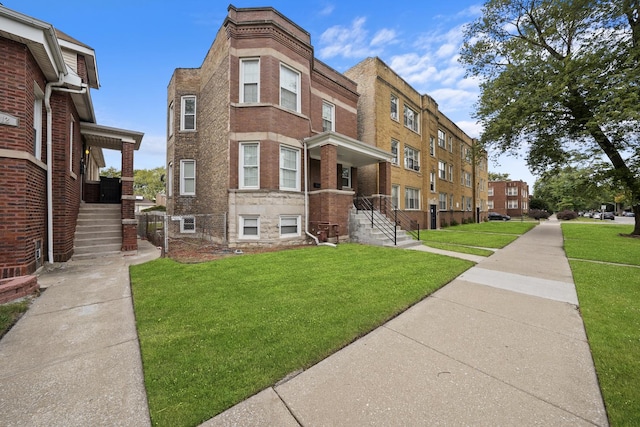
128 200
328 181
384 180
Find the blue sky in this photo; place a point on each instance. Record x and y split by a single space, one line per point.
138 44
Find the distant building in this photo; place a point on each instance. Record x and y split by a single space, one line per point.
509 197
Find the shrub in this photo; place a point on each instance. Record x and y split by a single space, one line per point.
454 222
539 214
567 215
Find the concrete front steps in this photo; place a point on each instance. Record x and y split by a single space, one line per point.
98 231
361 231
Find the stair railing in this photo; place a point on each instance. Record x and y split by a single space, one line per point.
385 217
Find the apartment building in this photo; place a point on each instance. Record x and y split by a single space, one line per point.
509 197
263 137
50 145
439 174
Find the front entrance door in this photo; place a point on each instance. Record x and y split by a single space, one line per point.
433 210
109 190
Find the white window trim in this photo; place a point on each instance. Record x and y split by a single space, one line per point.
242 82
414 126
347 169
417 198
298 84
333 116
241 166
171 118
415 157
37 122
298 222
433 178
442 172
397 104
72 123
396 160
442 142
241 220
395 189
297 186
182 178
170 180
183 100
183 229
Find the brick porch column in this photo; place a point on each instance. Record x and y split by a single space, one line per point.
328 181
128 200
384 180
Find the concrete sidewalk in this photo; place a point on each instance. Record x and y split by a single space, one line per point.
503 344
74 359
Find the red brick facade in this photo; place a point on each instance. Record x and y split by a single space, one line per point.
509 197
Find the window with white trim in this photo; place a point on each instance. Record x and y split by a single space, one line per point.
442 201
469 204
249 80
249 165
490 204
490 192
187 177
410 119
467 179
411 158
450 144
289 226
170 180
432 182
328 117
451 202
249 227
512 191
71 130
289 168
170 118
442 170
394 151
395 196
188 113
37 123
394 107
441 139
346 176
289 88
188 224
512 204
451 173
432 146
411 198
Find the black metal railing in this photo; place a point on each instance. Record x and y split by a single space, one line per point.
386 217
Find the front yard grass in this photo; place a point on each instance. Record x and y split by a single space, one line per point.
493 235
10 313
609 298
215 333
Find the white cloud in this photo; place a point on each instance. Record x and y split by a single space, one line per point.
352 42
473 129
327 10
383 37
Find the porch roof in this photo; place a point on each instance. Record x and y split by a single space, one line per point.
108 137
350 151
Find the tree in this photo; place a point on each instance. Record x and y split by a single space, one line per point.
559 76
110 172
573 188
495 176
148 182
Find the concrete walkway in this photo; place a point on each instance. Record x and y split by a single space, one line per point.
74 358
503 344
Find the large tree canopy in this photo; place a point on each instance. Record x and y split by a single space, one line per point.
559 76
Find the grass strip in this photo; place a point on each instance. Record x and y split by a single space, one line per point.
601 243
460 249
213 334
10 313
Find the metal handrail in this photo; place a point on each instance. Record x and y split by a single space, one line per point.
401 218
385 217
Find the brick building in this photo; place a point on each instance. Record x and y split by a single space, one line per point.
263 135
438 175
50 145
509 197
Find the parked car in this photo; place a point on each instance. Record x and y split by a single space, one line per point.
607 215
630 214
495 216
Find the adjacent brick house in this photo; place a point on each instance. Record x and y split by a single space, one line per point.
50 144
265 135
439 174
509 197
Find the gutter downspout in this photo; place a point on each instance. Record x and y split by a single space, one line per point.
51 86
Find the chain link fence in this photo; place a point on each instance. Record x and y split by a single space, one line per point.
196 233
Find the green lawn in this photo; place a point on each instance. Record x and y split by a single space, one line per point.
213 334
496 235
609 298
10 313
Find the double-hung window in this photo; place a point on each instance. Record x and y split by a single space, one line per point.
512 191
411 198
289 168
490 191
170 180
467 179
249 227
188 113
410 119
188 224
170 119
512 204
249 165
441 139
442 170
328 117
187 177
395 196
289 226
432 182
394 151
289 88
394 107
432 146
442 201
451 173
411 158
249 80
346 176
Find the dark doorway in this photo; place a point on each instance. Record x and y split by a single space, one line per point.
109 190
433 209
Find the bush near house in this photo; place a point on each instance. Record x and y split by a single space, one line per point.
566 215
